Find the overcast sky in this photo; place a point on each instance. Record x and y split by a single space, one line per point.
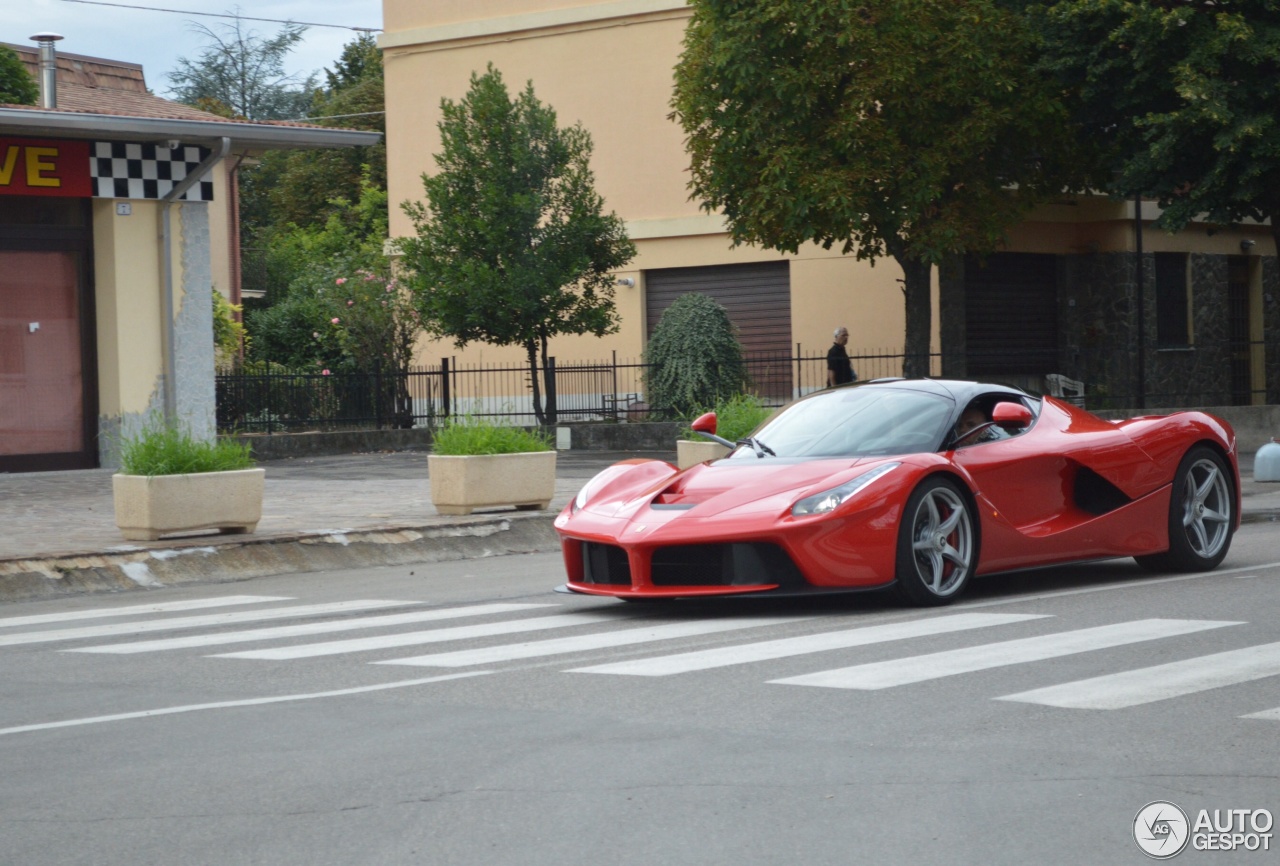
157 39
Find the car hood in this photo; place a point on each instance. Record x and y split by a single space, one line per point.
710 489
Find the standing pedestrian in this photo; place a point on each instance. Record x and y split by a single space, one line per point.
839 368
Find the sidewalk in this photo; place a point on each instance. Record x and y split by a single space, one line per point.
58 532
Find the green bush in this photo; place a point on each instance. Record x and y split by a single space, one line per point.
694 358
736 417
165 449
470 436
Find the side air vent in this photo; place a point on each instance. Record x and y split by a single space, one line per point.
1095 494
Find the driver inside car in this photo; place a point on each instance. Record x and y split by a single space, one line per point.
967 430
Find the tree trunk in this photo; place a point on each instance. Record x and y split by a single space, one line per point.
548 371
531 349
918 300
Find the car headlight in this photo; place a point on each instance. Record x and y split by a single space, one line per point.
829 500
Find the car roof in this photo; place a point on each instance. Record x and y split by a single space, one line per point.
959 390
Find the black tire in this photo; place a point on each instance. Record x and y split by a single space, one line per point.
937 544
1201 515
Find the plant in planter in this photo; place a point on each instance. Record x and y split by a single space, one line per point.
170 482
736 418
477 464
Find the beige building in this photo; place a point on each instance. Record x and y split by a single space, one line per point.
116 225
1062 298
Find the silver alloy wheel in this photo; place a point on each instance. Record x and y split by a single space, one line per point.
1206 508
942 541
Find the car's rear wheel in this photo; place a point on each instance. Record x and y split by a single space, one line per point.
1201 515
937 546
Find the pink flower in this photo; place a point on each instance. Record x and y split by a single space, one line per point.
340 280
324 372
351 303
333 321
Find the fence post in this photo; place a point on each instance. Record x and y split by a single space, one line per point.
270 401
444 387
550 396
377 393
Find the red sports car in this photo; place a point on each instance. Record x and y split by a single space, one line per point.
891 482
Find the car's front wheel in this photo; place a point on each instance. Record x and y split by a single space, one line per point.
937 546
1201 515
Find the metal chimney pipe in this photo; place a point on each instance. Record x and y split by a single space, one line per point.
48 68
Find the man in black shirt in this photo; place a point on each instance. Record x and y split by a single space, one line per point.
839 369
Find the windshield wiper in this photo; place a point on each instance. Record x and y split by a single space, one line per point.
757 446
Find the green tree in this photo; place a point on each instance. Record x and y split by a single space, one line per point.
512 246
297 186
694 358
17 87
241 74
906 128
1185 96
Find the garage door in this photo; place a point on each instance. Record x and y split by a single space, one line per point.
1011 314
758 300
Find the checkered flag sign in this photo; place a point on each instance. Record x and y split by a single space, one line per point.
127 170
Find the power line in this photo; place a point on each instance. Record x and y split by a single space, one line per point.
225 15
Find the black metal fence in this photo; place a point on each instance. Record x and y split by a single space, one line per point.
280 400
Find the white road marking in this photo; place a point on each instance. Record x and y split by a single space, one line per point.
130 610
717 657
222 705
557 646
211 620
1109 587
310 628
1271 715
916 669
1158 683
415 638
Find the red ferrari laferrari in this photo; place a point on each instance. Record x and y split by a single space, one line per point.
921 484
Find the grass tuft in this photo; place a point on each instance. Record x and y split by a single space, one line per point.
165 449
471 436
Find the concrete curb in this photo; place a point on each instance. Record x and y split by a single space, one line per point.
226 561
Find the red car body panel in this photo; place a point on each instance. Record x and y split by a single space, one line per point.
1026 489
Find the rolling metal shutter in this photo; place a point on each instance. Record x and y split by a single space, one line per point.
756 296
1011 314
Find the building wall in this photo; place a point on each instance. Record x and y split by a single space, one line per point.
609 66
606 66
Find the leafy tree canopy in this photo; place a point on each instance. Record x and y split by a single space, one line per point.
242 73
17 87
297 186
910 128
1184 96
512 246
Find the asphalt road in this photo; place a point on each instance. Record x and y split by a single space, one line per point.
1028 724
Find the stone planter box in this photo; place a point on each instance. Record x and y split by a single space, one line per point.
461 484
692 452
149 506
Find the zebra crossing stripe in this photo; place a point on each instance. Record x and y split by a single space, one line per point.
130 610
310 628
414 638
1161 682
718 657
1271 715
218 619
603 640
916 669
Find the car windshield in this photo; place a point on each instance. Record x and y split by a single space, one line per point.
856 422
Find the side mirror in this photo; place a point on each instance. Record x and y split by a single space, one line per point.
1011 415
704 424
